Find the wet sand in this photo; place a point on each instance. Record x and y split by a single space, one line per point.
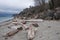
47 30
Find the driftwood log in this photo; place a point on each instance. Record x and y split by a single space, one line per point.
12 33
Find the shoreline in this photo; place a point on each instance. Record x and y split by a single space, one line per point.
10 20
5 22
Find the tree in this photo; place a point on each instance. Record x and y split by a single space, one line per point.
39 2
54 3
51 4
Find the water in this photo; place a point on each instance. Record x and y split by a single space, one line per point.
5 18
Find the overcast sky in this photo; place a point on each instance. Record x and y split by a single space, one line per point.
14 5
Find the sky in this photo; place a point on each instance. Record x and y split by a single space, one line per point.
14 6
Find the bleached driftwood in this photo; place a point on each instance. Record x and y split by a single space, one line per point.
31 33
12 33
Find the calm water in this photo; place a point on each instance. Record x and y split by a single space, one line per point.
5 18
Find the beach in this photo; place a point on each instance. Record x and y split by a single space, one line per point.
47 30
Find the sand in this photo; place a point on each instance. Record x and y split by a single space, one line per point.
47 30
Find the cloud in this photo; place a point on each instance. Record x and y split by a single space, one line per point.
14 6
8 11
17 3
